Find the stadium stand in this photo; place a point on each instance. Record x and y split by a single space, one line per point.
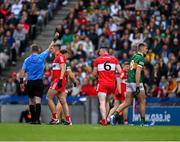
35 19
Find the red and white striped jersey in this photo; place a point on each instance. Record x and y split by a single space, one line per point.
106 67
56 69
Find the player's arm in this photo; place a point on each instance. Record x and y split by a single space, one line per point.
72 77
63 70
138 75
118 68
22 72
50 47
45 53
119 81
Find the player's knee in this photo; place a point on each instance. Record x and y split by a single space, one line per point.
48 98
143 101
103 104
62 100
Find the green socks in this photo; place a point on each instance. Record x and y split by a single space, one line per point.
116 114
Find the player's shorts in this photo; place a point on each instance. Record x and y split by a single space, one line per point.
119 97
35 88
106 88
54 86
131 87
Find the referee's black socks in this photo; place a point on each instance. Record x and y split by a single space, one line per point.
38 112
33 113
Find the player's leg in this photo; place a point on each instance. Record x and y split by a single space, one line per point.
121 107
116 104
107 105
65 107
125 116
102 107
59 109
107 108
52 107
142 103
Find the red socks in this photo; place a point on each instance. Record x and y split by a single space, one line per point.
54 115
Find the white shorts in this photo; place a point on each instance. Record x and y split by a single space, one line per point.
131 87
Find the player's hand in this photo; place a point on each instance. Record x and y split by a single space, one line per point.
59 83
137 90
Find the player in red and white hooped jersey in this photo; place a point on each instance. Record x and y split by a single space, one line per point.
120 92
58 86
105 66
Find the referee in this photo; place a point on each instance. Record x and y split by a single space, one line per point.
33 66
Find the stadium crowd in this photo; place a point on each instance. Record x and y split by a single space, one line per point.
119 25
19 22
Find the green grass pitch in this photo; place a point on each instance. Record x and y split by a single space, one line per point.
27 132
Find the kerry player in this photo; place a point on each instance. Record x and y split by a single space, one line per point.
135 86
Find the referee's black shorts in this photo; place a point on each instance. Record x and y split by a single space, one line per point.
35 88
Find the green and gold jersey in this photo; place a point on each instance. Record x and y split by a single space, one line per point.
136 60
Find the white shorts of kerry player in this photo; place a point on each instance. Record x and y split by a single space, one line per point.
131 87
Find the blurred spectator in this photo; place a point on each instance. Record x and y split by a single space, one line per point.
178 85
9 87
16 8
163 84
33 18
87 88
19 22
157 91
103 41
3 55
67 37
119 25
16 81
20 38
171 87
